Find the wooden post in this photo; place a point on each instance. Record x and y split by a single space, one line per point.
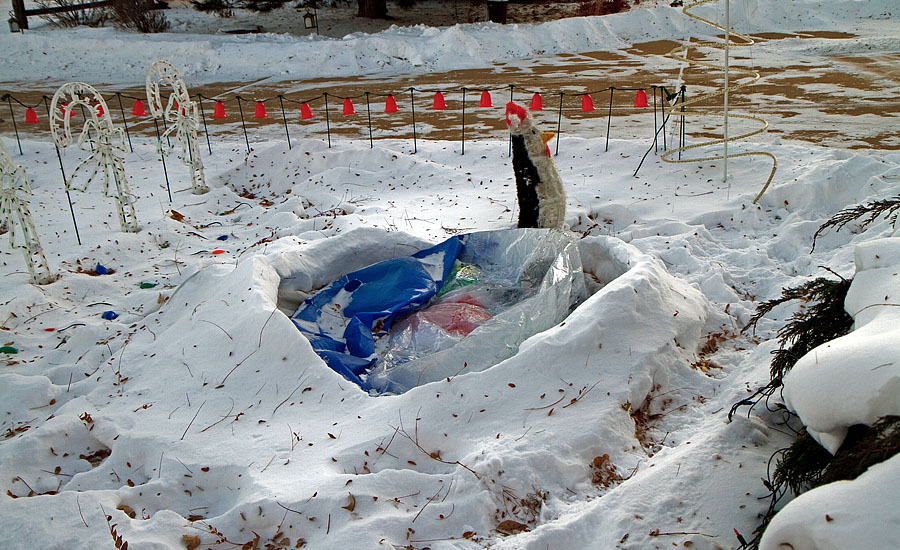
19 13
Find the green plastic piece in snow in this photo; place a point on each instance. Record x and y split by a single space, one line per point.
8 349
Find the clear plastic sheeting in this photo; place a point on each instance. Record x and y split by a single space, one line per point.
515 283
460 306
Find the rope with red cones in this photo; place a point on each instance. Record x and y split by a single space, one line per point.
440 101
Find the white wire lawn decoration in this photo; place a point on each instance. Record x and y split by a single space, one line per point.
107 149
14 194
180 117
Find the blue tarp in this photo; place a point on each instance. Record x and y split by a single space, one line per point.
340 320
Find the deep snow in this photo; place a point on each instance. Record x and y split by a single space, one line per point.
203 411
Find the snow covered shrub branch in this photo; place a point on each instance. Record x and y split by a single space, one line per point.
823 319
139 15
869 212
807 464
811 326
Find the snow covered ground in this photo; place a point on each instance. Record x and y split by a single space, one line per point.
200 417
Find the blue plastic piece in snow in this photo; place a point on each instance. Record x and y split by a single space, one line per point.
109 315
222 238
370 300
101 270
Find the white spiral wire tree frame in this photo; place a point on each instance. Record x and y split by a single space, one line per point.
14 194
181 118
682 53
107 151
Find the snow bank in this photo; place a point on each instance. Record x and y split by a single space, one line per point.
206 58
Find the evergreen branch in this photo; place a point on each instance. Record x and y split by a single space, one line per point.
868 213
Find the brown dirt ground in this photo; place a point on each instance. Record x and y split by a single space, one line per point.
843 101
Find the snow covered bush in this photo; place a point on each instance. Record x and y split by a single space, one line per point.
835 370
139 15
91 17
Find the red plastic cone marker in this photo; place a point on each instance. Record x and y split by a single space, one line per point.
439 104
30 116
348 107
99 109
305 112
485 99
66 111
536 103
587 104
390 104
138 109
219 110
640 100
260 110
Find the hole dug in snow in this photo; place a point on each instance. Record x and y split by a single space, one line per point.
460 306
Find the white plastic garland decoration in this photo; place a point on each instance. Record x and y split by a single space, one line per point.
105 143
180 116
14 193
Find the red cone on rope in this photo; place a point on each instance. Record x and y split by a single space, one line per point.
439 104
219 110
138 109
66 111
537 103
485 99
390 104
305 112
260 110
640 99
587 104
348 107
30 116
99 109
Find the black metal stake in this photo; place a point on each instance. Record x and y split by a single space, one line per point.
559 122
683 121
162 157
284 116
62 171
327 121
203 116
510 135
681 126
664 97
243 124
463 141
655 129
412 103
609 115
124 121
16 128
369 116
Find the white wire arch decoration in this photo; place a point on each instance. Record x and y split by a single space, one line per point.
107 150
14 194
180 117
